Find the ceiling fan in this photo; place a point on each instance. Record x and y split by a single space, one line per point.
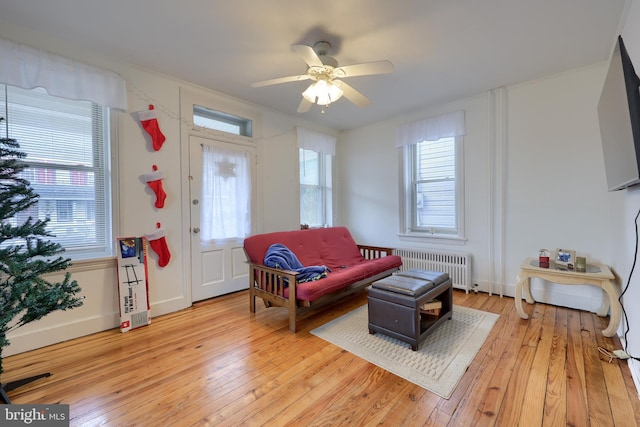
327 86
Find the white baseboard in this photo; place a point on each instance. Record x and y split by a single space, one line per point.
169 306
634 367
52 334
585 297
42 337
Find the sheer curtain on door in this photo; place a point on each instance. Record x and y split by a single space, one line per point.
226 194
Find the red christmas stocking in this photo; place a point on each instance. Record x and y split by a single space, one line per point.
154 181
158 242
149 121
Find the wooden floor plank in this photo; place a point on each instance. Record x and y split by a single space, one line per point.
577 406
284 388
532 413
411 409
487 361
510 338
622 407
600 413
555 402
218 364
511 408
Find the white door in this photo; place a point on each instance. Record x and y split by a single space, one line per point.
221 191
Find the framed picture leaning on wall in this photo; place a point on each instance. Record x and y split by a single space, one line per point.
565 258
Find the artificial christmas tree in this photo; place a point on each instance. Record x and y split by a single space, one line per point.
25 255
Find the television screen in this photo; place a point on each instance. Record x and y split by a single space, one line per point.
619 118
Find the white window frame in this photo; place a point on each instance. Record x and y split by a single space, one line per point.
325 184
108 127
408 229
223 122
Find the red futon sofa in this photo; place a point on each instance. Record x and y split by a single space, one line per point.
352 267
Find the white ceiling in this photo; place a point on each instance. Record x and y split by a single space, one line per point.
442 50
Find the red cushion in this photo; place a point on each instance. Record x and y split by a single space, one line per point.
333 247
340 278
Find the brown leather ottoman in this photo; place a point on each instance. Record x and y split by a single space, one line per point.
395 301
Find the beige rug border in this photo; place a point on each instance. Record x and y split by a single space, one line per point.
447 381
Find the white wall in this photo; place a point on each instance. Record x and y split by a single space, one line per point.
556 185
370 168
553 184
277 202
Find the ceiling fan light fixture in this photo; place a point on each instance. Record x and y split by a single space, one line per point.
335 92
322 93
326 77
310 93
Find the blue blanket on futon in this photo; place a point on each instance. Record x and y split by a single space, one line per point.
279 256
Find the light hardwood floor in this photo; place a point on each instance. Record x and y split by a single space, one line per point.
217 364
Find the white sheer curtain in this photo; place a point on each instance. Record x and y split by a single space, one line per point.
316 141
226 194
28 68
431 129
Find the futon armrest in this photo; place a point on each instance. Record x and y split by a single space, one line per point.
273 280
372 252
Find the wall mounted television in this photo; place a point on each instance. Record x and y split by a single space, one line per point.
619 118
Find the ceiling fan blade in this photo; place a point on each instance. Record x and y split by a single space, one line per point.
280 80
352 95
368 68
308 55
305 105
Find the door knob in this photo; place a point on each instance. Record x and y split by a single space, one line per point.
196 230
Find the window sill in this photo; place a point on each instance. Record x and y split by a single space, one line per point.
82 265
434 238
91 264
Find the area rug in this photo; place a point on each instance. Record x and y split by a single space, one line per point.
441 359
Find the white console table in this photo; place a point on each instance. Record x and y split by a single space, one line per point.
596 275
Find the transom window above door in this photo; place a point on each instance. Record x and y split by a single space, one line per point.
223 122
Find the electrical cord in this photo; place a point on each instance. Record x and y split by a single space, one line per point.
624 312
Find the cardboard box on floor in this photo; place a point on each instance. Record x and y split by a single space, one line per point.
133 286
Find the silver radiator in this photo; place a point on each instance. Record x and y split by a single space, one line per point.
458 265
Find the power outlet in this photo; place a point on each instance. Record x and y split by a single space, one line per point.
620 354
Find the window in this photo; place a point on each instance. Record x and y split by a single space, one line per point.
67 146
64 210
316 151
224 122
316 193
433 188
225 211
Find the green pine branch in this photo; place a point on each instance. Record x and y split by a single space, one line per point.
27 257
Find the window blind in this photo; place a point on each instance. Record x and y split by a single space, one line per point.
67 147
434 186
